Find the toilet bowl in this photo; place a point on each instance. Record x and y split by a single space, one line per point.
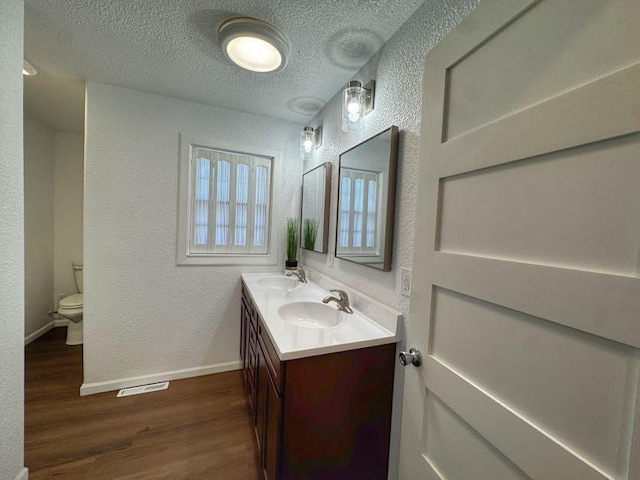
71 308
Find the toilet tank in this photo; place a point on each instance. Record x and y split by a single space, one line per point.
77 274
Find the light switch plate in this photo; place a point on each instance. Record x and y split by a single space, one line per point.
406 282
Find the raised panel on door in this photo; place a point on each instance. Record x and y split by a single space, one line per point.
526 288
548 210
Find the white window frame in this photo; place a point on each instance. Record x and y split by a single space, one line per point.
184 225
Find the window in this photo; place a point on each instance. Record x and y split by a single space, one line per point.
226 197
359 211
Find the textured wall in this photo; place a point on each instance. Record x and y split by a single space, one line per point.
68 156
397 69
144 315
38 224
11 240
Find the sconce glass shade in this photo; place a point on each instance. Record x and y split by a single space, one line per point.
310 139
357 101
253 44
353 99
307 139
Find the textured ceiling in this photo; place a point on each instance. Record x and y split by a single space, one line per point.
170 47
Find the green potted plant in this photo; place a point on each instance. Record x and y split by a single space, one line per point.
292 243
310 233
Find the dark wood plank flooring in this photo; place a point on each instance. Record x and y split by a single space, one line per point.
197 429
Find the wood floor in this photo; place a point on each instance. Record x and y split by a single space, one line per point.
197 429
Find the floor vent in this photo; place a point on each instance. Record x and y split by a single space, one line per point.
153 387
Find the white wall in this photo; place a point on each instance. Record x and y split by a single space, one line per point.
38 224
397 69
68 180
143 315
11 239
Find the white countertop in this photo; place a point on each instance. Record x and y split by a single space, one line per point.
291 341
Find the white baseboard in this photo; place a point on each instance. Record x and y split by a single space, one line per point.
60 322
38 333
23 475
99 387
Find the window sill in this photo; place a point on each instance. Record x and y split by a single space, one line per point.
226 260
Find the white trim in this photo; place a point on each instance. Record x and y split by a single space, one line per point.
38 333
61 322
183 257
23 474
99 387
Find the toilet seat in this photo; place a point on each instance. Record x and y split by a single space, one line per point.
71 302
71 307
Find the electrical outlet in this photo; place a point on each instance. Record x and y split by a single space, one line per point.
406 282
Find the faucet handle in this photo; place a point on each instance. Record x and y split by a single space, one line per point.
341 293
298 272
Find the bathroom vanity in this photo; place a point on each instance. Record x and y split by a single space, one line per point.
320 391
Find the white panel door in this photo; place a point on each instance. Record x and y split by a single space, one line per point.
526 292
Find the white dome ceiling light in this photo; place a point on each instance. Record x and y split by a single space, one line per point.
253 44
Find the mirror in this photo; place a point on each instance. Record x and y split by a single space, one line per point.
314 227
366 201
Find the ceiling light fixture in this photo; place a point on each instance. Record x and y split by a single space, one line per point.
28 69
357 101
253 44
310 139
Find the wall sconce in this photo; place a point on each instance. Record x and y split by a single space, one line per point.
310 139
357 101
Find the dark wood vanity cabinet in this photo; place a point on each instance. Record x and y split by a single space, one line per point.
319 417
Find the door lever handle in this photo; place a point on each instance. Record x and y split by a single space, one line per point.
412 357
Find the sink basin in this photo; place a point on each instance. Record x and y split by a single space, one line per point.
282 283
310 315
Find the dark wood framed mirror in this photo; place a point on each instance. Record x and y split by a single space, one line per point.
316 194
366 201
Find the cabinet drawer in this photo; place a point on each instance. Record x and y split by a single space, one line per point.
275 366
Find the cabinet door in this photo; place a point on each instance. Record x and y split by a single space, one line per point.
261 400
271 442
244 322
251 378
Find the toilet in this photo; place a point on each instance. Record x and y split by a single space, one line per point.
71 308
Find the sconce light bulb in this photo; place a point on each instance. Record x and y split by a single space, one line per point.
307 145
353 107
354 117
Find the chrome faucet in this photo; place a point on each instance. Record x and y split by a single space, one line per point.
342 300
299 272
